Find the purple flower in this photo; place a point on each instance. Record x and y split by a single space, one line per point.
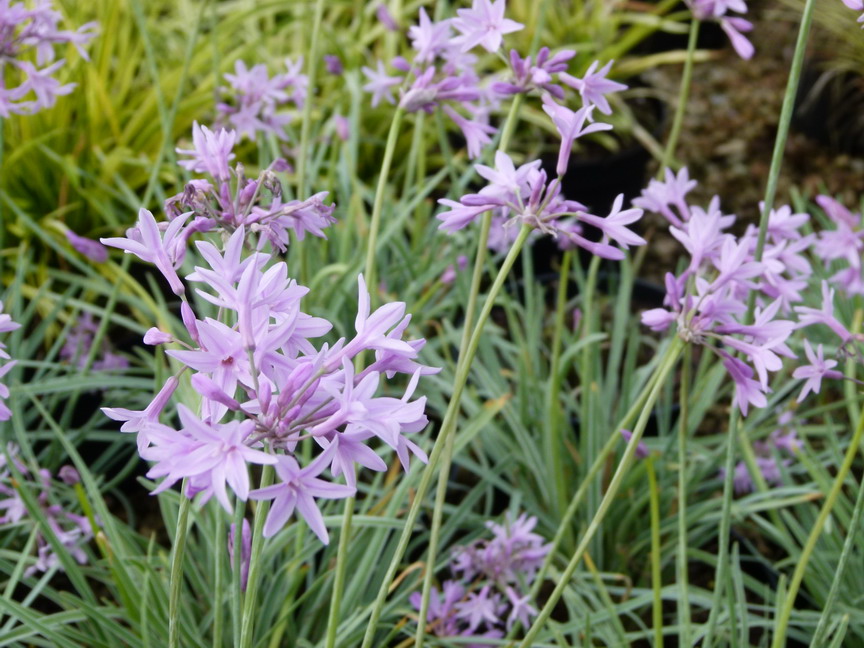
536 76
429 38
245 550
641 448
818 369
808 316
594 86
24 30
380 83
333 64
613 226
716 9
479 607
93 250
147 242
476 134
298 489
214 455
483 24
211 152
571 126
386 18
747 390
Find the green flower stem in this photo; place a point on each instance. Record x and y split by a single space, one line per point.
684 598
656 582
305 154
848 545
219 550
378 206
683 96
786 112
176 578
249 602
588 429
770 194
448 427
801 564
612 491
236 584
599 461
312 73
554 441
339 579
467 332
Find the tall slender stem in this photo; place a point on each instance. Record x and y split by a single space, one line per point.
683 96
312 73
448 427
554 441
848 547
378 205
177 570
219 575
304 154
683 580
339 579
247 625
770 193
564 580
656 570
801 564
467 331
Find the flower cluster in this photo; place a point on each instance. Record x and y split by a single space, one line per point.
6 325
707 301
732 25
844 243
71 531
24 30
265 386
493 577
442 71
253 98
79 342
856 5
523 195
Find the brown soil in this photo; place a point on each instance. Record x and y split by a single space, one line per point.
731 121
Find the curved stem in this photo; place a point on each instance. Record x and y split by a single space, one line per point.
848 546
247 625
312 73
378 206
656 574
770 194
637 407
554 440
448 427
683 96
801 564
339 580
467 331
176 578
611 493
683 581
